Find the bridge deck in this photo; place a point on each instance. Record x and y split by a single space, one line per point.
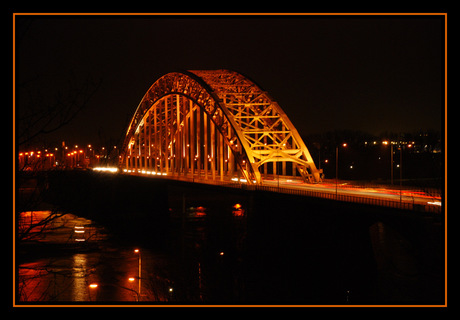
387 196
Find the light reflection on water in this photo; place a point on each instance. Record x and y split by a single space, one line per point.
55 279
210 260
56 227
79 272
32 278
90 270
69 278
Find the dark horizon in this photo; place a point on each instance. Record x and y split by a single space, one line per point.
362 73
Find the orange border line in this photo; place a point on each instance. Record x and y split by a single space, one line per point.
225 14
445 159
14 160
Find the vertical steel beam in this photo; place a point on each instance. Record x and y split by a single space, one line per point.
149 140
213 150
171 108
164 137
221 156
198 141
155 139
166 127
187 135
231 158
178 153
183 161
192 139
145 146
205 145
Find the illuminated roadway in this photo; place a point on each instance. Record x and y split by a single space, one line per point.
394 194
329 188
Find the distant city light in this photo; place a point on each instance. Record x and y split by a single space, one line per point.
106 169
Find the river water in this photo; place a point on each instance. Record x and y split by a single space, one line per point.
73 259
237 251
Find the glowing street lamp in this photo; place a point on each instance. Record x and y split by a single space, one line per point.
93 287
400 170
391 159
140 269
337 167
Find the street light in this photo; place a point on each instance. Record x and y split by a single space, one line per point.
93 287
391 159
140 269
138 296
400 170
337 167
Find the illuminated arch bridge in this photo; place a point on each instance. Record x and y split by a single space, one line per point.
214 125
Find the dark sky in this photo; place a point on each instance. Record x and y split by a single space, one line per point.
372 73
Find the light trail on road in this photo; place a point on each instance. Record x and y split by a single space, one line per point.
405 196
344 191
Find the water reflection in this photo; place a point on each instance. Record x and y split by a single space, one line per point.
31 282
56 279
238 210
214 254
56 227
79 275
104 276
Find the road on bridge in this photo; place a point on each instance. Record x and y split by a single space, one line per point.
328 189
343 188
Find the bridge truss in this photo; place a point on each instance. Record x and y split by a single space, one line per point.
214 124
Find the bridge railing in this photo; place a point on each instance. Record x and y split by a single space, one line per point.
406 189
332 195
406 205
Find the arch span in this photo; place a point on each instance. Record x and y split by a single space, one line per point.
214 124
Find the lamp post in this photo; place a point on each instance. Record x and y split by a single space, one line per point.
337 167
140 270
93 287
400 174
400 170
391 159
138 296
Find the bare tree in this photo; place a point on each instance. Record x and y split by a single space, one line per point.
38 115
45 100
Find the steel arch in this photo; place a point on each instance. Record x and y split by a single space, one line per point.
211 124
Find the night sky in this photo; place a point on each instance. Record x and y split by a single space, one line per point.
371 73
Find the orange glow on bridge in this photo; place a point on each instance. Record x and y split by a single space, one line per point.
214 125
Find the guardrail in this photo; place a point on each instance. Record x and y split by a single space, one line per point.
375 201
406 205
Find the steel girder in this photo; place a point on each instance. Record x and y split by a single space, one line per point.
253 127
